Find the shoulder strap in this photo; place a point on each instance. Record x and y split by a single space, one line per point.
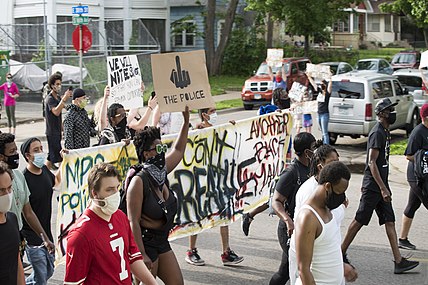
295 169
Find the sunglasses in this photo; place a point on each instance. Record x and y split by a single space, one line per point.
160 148
8 77
121 115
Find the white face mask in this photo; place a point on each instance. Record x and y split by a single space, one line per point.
6 202
58 88
213 119
111 204
39 159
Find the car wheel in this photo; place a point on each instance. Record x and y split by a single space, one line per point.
413 123
248 107
333 138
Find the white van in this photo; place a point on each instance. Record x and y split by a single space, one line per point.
354 97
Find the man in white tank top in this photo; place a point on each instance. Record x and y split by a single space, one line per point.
319 256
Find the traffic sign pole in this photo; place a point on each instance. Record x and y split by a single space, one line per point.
81 55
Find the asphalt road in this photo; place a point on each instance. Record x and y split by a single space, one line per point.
369 252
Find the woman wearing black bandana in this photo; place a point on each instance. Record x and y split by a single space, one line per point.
152 215
117 129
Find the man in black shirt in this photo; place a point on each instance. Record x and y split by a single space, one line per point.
40 182
284 198
418 140
376 193
11 270
53 110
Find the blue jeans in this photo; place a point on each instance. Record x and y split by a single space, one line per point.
43 265
323 122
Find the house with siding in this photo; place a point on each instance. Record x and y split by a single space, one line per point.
115 24
367 23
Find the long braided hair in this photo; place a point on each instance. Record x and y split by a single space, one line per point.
322 151
144 138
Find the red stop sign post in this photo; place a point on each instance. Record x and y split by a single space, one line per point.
82 42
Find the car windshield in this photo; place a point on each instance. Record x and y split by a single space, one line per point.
333 68
346 89
404 58
366 65
263 69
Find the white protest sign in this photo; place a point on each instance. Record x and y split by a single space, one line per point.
274 57
297 91
181 79
318 71
124 79
424 59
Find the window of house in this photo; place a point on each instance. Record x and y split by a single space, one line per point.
373 23
388 26
341 26
355 28
29 33
185 35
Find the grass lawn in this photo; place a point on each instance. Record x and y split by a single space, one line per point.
219 84
386 53
398 148
234 103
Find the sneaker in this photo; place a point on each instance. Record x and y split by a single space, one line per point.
406 244
193 258
229 257
246 221
404 265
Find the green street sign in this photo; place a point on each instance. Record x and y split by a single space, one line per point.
80 20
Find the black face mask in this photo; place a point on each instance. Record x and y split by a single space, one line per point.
392 117
120 129
156 167
334 200
12 161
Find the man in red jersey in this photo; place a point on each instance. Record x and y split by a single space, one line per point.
100 246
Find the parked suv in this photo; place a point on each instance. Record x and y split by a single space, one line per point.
257 90
412 80
406 59
354 97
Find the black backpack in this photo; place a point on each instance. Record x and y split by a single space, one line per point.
132 171
421 169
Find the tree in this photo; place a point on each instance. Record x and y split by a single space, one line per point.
215 55
415 10
304 17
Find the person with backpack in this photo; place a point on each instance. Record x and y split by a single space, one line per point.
284 198
418 142
151 204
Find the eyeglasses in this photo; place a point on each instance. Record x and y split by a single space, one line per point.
121 115
160 148
8 77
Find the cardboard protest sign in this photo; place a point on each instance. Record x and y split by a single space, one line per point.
297 91
124 79
181 79
74 193
424 59
274 57
318 71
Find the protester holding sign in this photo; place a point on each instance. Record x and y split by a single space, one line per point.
151 204
277 79
323 99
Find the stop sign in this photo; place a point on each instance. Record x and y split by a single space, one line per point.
86 38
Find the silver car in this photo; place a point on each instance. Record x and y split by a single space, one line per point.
377 65
354 97
412 80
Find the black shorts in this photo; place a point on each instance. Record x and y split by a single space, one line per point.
372 200
54 148
155 243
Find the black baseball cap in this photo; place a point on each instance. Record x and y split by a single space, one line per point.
384 104
77 93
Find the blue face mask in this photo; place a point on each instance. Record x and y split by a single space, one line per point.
39 159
